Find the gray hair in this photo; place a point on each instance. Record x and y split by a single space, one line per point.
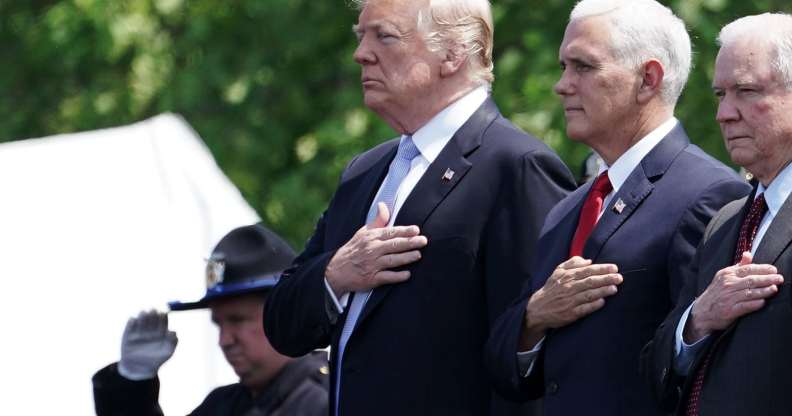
641 30
462 27
773 28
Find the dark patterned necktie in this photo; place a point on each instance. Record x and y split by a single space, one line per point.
590 213
748 231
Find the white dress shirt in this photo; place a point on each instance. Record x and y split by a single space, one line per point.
775 195
617 174
430 141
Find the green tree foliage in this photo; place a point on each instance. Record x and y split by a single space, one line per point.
270 85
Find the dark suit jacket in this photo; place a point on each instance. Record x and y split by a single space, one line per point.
417 348
591 366
750 371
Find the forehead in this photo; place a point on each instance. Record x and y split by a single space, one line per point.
744 61
237 305
400 13
587 37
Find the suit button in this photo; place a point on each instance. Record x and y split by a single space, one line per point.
552 387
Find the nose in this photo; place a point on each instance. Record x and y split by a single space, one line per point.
226 337
363 54
564 85
727 111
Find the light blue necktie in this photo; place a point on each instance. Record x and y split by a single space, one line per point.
398 169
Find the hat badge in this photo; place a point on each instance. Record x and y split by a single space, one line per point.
215 269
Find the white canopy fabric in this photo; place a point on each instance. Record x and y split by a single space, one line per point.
95 227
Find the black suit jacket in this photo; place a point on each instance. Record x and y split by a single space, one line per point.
591 366
417 347
750 371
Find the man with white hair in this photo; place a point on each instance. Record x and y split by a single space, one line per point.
428 236
614 254
726 346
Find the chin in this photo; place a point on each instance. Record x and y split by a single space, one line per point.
373 99
576 135
741 158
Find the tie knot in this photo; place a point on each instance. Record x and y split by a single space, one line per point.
407 149
602 184
759 206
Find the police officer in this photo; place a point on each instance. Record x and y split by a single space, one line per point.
242 268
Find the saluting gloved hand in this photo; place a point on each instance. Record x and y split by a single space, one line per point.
146 345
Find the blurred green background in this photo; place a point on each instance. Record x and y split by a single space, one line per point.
271 86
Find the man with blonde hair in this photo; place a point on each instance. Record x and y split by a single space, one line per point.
614 254
725 349
428 236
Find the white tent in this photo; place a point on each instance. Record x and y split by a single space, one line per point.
94 227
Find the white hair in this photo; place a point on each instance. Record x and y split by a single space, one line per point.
641 30
773 28
461 27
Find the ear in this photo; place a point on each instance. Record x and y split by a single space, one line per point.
452 62
652 74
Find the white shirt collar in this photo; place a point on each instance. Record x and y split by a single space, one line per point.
778 191
434 135
626 163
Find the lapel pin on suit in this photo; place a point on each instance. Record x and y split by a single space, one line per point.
448 175
619 206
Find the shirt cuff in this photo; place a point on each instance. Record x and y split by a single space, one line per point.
526 359
685 353
339 304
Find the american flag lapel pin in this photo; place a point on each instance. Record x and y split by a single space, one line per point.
619 206
448 175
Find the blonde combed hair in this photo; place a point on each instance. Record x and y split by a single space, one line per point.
459 27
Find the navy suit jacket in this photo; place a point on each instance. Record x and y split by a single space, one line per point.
417 348
591 366
750 371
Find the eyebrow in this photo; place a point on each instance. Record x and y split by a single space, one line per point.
580 61
739 84
357 29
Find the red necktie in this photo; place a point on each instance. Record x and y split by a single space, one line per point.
748 231
590 213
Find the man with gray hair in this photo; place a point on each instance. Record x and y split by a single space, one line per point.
726 345
614 254
428 236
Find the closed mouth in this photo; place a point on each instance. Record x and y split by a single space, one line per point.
731 138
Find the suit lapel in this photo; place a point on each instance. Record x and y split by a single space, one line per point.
435 185
777 237
556 235
568 217
716 253
368 188
721 244
637 187
622 205
723 256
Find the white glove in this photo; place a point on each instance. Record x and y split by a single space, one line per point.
146 345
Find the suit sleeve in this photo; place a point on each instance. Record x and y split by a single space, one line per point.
691 229
114 395
296 318
657 357
296 321
541 182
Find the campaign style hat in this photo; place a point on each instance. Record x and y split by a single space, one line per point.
248 259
